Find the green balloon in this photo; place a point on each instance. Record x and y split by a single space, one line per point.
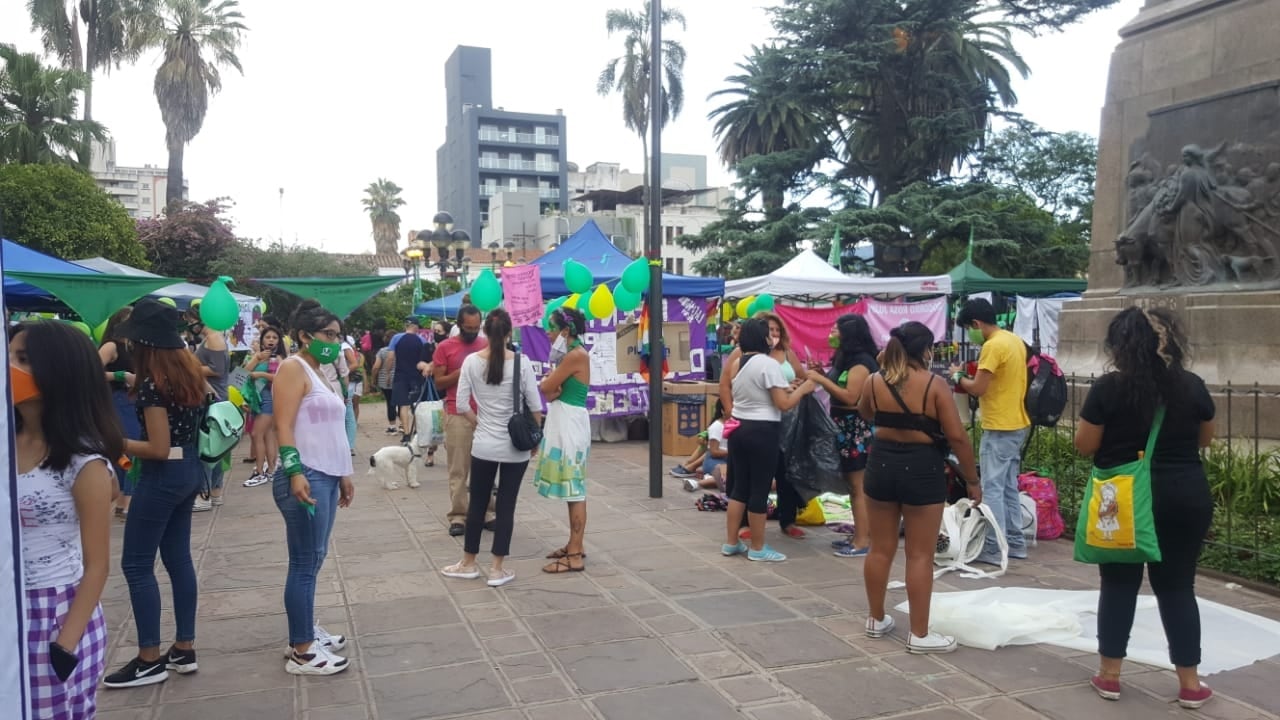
552 307
584 307
99 331
486 291
763 303
219 310
577 277
625 298
635 277
83 327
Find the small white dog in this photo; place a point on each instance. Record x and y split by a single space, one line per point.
392 461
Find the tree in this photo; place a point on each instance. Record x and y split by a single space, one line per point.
381 200
1059 170
110 27
767 118
745 246
38 122
196 37
189 239
629 75
60 211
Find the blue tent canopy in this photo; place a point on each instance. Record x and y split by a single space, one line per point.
22 296
591 247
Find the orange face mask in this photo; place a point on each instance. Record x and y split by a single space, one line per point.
22 385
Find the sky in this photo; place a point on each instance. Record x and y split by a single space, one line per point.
332 100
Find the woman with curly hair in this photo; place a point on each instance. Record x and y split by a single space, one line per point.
1148 349
562 463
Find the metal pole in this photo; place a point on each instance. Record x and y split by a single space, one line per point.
655 249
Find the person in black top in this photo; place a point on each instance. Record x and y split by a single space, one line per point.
406 386
117 360
1147 348
854 362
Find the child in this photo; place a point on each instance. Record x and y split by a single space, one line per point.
714 455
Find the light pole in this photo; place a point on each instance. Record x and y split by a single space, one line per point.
444 237
413 255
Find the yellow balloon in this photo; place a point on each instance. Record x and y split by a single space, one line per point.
744 304
601 303
572 302
233 394
726 311
168 301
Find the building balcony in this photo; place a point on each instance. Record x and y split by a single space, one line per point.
543 193
518 138
512 164
549 193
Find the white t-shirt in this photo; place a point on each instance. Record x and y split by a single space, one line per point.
52 554
752 396
716 433
493 402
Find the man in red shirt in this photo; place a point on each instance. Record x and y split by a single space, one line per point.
458 431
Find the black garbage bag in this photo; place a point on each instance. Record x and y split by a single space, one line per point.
812 456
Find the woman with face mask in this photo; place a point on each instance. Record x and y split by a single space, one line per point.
313 481
789 501
566 440
262 366
65 433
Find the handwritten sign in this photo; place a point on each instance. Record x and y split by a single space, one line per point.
522 294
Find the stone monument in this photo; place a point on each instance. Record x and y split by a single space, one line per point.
1187 209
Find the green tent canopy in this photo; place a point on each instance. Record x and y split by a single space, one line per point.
967 279
94 296
341 296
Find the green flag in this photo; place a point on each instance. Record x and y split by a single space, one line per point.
834 258
94 296
341 296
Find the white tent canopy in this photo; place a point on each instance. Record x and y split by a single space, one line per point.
182 293
807 275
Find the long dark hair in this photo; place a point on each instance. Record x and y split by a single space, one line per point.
78 416
113 325
497 330
278 350
310 317
907 346
855 340
1147 349
570 319
753 336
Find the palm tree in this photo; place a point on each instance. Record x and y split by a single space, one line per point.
38 118
109 29
196 37
380 201
629 73
766 117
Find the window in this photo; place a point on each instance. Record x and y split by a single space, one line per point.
669 265
146 186
679 231
146 201
513 184
679 266
670 236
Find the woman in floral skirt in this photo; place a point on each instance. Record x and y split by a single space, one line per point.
566 440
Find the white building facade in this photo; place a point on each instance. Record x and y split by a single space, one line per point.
141 190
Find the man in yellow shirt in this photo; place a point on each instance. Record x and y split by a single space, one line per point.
1001 389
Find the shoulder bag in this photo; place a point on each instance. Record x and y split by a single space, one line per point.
1117 524
524 430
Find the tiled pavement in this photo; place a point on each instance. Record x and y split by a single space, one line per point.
659 626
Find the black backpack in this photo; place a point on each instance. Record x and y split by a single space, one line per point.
1046 390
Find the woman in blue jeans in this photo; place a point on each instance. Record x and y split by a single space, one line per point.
314 480
118 363
169 391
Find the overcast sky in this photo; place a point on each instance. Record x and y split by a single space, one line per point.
332 99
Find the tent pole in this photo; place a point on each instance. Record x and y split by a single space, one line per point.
655 299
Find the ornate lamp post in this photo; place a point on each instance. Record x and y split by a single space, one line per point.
413 255
444 237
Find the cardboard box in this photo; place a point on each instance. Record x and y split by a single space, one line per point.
683 417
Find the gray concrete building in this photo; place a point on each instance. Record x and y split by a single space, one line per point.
488 150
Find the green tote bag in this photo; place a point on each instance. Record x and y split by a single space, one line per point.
1116 522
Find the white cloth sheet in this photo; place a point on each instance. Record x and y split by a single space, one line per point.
994 617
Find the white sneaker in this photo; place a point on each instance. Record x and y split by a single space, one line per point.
330 641
216 500
879 628
502 578
317 662
691 484
257 479
931 643
202 505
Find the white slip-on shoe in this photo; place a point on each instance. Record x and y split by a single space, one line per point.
932 643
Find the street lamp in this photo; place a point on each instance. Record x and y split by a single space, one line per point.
412 259
444 237
494 247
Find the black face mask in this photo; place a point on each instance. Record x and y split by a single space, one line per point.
468 337
440 337
196 329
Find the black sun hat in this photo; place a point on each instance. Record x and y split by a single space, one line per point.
154 324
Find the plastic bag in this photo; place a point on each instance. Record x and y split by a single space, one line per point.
813 458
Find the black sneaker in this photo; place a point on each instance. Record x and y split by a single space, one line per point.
138 673
181 661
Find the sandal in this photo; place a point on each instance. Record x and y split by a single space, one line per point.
565 564
563 552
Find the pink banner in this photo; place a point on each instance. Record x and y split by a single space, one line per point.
809 329
885 316
522 294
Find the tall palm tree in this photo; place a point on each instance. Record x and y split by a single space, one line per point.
381 200
629 74
765 117
38 112
109 28
196 37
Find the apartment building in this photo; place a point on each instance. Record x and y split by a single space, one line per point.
141 190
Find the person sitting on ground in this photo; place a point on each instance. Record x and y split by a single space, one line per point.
713 456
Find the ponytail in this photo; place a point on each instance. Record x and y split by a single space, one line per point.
896 365
906 349
497 330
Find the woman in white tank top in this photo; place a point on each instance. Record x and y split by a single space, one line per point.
313 481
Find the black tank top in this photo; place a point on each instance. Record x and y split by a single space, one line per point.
907 420
123 361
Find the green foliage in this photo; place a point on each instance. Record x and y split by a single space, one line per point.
743 246
188 240
394 305
243 260
60 211
381 200
629 74
38 108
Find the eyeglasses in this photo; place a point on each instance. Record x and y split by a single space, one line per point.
326 333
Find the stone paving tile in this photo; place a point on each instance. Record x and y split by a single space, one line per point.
418 648
853 690
1079 702
747 689
693 701
402 614
1011 669
571 593
439 692
775 645
585 627
736 608
1003 708
621 665
263 704
561 711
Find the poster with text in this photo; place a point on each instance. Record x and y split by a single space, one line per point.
522 294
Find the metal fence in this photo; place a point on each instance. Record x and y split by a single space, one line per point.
1243 472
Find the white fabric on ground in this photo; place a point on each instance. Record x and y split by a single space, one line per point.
993 617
